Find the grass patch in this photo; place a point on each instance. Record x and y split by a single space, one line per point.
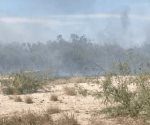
54 97
67 119
17 99
29 118
53 110
28 100
128 102
70 91
82 91
21 83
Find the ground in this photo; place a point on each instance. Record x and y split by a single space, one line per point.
84 105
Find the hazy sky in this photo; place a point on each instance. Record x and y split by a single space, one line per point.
102 20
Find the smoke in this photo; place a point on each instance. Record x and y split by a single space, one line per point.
125 21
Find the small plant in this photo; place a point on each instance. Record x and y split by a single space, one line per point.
67 119
53 110
8 90
28 118
96 121
54 97
70 91
21 84
82 91
11 97
128 102
28 100
31 118
18 99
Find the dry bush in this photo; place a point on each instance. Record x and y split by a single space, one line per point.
82 91
132 121
17 99
28 100
21 84
53 110
11 97
96 121
54 97
8 90
29 118
118 121
77 80
70 91
67 119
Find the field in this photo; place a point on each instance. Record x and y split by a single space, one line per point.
70 101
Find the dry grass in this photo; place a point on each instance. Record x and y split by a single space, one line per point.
70 91
118 121
96 121
17 99
67 119
54 97
11 97
28 100
29 118
53 110
82 91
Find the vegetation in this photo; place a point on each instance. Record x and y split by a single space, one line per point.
28 100
54 97
21 84
67 119
71 91
31 118
83 57
53 110
18 99
133 102
82 91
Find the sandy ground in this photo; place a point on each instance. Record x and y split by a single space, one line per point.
83 107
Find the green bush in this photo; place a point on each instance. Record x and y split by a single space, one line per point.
126 101
21 84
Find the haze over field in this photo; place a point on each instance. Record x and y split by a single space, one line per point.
124 22
74 62
74 37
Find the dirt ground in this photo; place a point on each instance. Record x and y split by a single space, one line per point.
84 107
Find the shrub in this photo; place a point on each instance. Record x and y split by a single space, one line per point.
18 99
11 97
27 119
82 91
21 84
31 118
54 98
127 102
28 100
8 90
70 91
67 120
53 110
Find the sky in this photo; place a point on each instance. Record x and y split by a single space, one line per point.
103 21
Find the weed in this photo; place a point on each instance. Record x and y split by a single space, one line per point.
54 97
67 119
21 84
53 110
70 91
28 100
18 99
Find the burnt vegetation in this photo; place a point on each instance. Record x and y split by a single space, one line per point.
76 56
